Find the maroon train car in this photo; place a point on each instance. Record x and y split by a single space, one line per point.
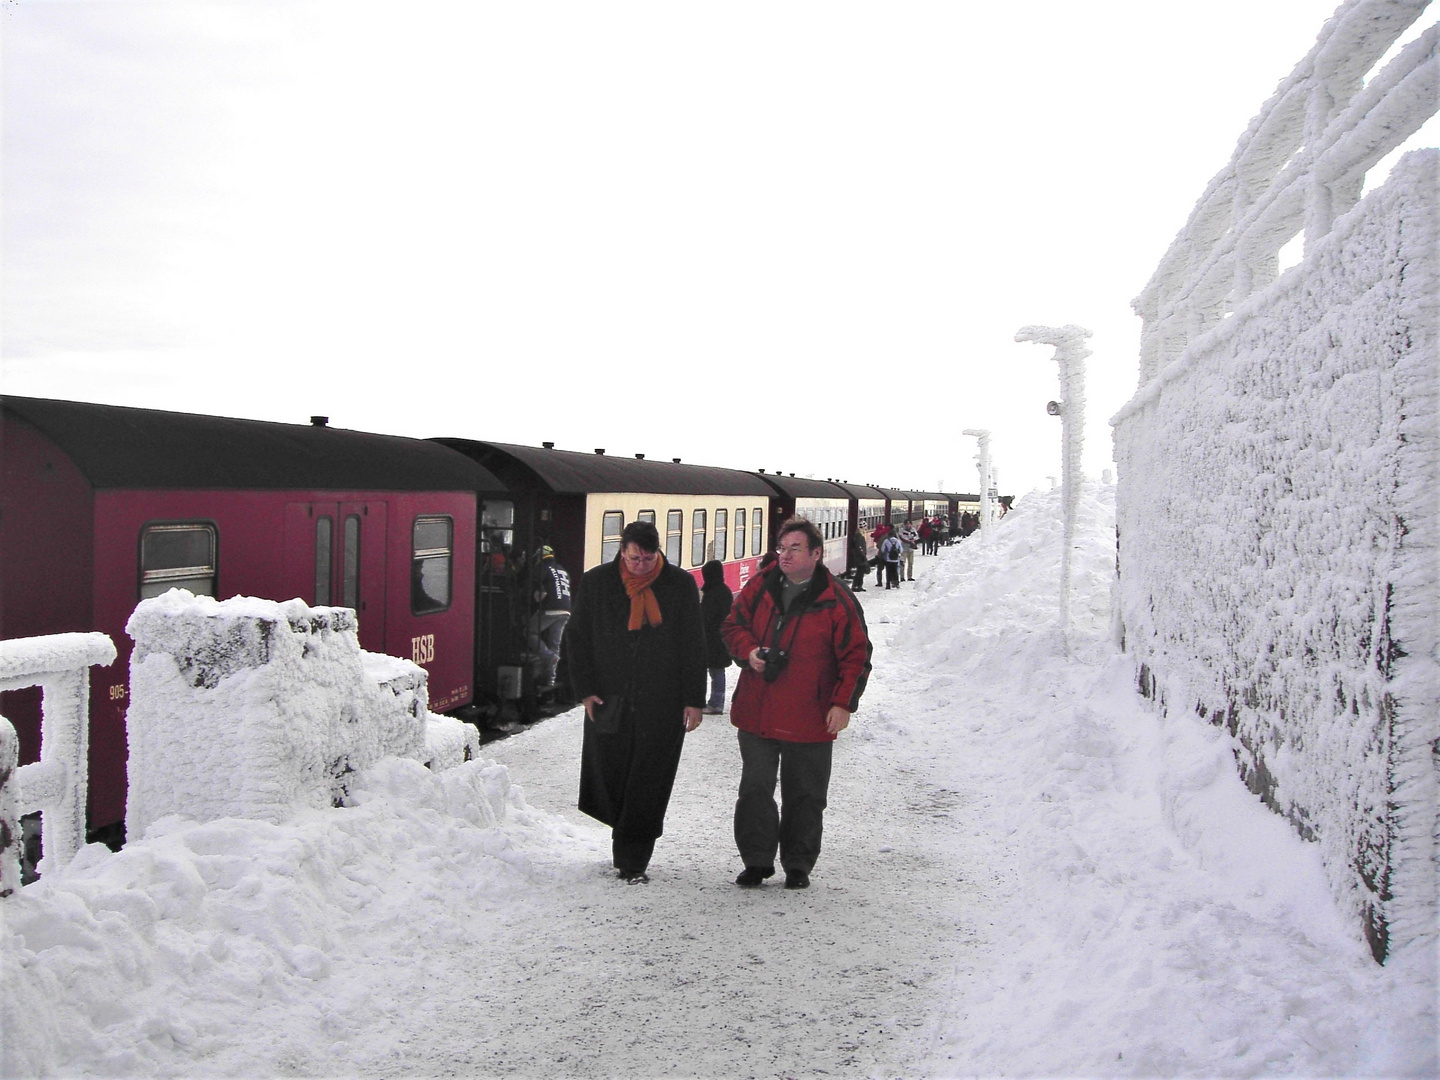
103 506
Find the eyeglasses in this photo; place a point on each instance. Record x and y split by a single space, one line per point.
794 549
640 556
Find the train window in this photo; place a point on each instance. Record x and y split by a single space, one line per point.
722 533
697 538
674 535
350 564
324 549
646 515
432 556
611 526
739 534
757 531
497 526
177 557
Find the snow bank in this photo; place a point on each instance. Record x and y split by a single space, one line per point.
1158 920
250 708
185 940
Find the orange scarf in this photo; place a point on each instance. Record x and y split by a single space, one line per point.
644 608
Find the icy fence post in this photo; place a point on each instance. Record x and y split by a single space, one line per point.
249 708
56 784
1277 511
1070 353
987 505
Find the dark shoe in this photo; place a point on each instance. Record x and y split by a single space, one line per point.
858 588
710 710
797 879
633 877
752 876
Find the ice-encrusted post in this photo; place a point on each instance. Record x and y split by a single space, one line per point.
1070 354
987 507
56 785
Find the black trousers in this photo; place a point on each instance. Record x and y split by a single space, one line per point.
631 854
796 825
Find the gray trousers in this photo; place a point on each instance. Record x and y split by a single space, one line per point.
546 630
795 826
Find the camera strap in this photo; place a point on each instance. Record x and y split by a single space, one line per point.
797 608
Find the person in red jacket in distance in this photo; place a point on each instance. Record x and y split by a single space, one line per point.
805 654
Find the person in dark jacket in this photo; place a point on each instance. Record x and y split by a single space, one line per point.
550 590
636 647
891 550
715 602
859 555
807 659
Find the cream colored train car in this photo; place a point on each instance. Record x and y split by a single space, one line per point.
822 502
728 526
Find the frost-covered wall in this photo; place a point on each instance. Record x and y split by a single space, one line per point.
250 708
1278 505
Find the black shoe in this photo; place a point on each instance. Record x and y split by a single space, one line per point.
633 877
797 879
752 876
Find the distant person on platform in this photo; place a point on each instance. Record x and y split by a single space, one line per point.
716 600
909 541
891 551
807 659
550 590
859 553
881 531
637 661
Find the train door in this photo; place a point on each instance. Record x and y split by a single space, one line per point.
335 557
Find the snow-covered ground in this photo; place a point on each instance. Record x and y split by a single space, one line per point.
1025 874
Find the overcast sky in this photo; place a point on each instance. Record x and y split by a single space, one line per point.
774 235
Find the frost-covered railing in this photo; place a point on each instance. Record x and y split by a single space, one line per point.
1299 166
1277 511
56 784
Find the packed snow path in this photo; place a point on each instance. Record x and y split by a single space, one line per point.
1025 873
690 975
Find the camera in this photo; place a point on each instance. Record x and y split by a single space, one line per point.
775 661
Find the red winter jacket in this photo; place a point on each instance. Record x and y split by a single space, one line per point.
829 648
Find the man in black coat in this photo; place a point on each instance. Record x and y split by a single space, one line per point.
859 556
637 660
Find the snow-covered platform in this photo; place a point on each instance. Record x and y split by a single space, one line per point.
1026 872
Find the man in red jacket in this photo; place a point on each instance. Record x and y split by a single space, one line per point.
805 654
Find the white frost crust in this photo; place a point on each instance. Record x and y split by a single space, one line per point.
254 709
1277 517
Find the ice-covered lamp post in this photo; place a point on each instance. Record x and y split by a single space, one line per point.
1070 353
986 507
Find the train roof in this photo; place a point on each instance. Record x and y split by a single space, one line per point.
861 491
569 472
115 446
801 487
